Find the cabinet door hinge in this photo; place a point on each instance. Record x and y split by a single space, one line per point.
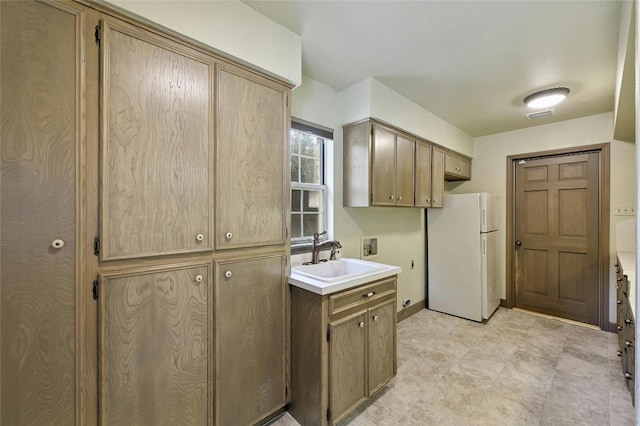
96 246
328 334
286 391
96 288
98 35
329 415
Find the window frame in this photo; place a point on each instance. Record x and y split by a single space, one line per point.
304 244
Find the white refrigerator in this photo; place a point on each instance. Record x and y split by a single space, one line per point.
462 255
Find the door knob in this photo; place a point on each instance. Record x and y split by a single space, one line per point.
518 242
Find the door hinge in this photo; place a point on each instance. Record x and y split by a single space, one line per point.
329 415
96 246
98 35
328 334
96 287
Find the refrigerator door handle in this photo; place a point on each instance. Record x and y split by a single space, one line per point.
484 246
484 220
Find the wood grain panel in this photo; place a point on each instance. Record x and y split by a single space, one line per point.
572 268
437 178
535 218
42 88
572 222
383 166
535 271
356 163
157 135
155 356
405 163
536 174
570 171
347 364
250 342
251 160
423 175
382 344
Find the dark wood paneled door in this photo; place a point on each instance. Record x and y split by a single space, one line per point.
557 236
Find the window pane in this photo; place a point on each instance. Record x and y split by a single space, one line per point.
295 141
310 170
296 225
310 147
312 201
311 224
295 200
295 168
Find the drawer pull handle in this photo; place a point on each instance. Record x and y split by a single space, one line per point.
368 295
361 325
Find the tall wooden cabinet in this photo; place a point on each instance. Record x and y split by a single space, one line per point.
144 241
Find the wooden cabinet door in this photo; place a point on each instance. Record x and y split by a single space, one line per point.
252 160
382 344
157 133
451 164
42 85
347 364
405 163
250 339
155 348
465 168
437 178
423 175
383 166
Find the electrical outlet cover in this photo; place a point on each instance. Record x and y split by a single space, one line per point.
368 247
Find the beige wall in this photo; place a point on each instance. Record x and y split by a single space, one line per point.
230 27
489 169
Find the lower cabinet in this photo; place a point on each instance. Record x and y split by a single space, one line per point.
626 329
155 351
250 312
343 349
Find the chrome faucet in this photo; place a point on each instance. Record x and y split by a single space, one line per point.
317 246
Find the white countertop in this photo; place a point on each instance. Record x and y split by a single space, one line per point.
323 288
627 261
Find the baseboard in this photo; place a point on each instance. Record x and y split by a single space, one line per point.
411 310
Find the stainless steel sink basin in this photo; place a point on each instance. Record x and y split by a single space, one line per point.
337 270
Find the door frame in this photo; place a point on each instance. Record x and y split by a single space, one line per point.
603 151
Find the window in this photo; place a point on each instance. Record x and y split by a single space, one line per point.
308 188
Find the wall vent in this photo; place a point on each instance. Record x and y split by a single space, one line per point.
538 114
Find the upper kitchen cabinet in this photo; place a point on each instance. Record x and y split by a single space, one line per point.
378 166
456 166
251 185
156 148
429 175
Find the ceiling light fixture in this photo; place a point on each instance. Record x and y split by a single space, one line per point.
546 98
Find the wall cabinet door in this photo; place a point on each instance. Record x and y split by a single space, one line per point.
250 339
437 177
456 167
252 123
155 348
423 175
347 364
405 163
157 134
383 167
43 87
382 344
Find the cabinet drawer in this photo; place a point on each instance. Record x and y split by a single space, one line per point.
361 296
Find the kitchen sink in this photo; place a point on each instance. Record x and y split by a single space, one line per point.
336 270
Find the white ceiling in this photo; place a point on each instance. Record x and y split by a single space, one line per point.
469 62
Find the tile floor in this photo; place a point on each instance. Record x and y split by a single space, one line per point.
518 369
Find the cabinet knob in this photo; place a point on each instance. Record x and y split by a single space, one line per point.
199 237
56 244
434 200
228 274
619 279
628 321
400 198
619 302
375 318
628 343
428 200
391 197
228 235
628 376
361 325
198 278
619 328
